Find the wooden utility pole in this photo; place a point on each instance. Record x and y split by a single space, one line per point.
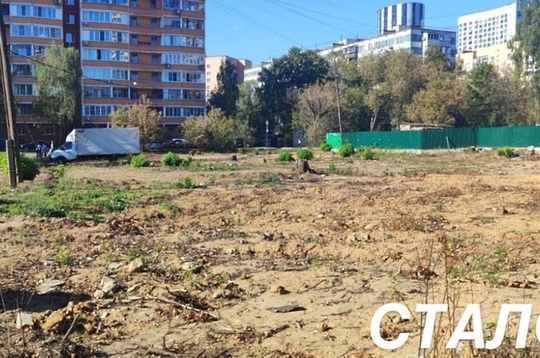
9 105
338 95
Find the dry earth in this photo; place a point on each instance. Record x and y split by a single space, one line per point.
207 272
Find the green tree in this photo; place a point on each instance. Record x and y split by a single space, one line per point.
215 132
226 94
316 112
282 82
140 115
526 47
247 111
58 88
441 102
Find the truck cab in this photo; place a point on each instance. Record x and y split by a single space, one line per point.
65 153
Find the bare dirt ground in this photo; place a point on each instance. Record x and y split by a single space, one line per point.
262 261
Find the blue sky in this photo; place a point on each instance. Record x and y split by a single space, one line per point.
260 29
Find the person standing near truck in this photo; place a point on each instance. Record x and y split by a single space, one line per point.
38 151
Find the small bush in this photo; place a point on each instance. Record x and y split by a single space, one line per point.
139 161
346 150
30 168
507 152
284 157
171 160
189 183
256 151
186 162
304 154
368 154
325 147
242 150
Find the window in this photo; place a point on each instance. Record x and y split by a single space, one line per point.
46 129
154 40
70 2
120 92
100 111
155 76
134 76
23 90
70 38
134 58
96 92
154 22
25 108
134 40
155 59
70 19
21 129
133 21
22 70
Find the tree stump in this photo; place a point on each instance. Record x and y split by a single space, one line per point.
303 166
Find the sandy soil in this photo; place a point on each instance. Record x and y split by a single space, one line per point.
205 272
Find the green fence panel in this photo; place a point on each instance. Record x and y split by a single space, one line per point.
522 136
383 140
333 139
448 138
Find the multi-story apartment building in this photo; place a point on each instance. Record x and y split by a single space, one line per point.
127 48
400 17
483 36
252 74
401 27
213 64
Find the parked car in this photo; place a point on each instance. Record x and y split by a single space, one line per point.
154 146
178 144
31 146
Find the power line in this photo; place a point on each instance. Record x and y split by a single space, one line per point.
323 13
232 10
306 16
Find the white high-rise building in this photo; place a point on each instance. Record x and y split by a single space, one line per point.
487 28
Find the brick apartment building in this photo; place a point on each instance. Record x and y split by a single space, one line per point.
127 48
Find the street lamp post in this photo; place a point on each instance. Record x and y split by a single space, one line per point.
266 141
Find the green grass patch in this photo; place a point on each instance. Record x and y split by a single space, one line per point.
70 198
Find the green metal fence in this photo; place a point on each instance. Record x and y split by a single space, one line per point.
522 136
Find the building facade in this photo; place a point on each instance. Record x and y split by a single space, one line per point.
400 27
252 74
213 64
399 17
127 48
413 40
487 28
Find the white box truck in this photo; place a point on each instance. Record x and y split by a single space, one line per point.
97 143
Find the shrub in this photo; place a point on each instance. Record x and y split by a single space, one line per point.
346 150
30 168
171 160
189 184
186 162
284 157
304 154
507 152
325 147
139 161
256 151
368 154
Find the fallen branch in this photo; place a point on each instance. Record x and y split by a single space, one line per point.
70 328
275 331
184 306
314 286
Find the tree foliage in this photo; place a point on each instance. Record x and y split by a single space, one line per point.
140 115
58 87
526 46
281 83
226 94
215 132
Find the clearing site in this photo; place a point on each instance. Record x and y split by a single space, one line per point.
257 259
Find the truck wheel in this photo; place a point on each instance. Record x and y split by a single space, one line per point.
61 160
